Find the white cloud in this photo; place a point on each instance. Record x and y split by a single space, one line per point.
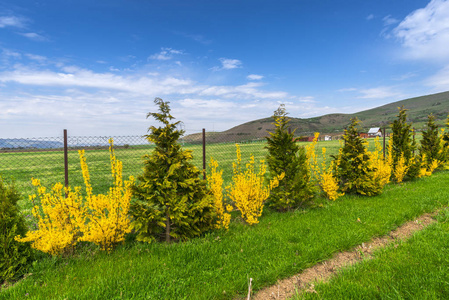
35 57
34 36
347 90
425 32
254 77
389 20
378 93
11 21
439 81
165 54
370 17
228 63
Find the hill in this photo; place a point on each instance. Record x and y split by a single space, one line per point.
418 110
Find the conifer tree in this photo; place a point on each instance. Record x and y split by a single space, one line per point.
285 156
403 144
430 142
172 203
353 170
14 256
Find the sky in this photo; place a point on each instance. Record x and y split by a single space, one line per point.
95 67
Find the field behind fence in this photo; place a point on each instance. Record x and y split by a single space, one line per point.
44 158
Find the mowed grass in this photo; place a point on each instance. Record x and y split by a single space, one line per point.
219 264
415 269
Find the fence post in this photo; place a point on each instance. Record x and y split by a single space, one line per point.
204 153
66 161
384 135
414 142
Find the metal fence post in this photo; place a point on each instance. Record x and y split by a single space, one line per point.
204 153
66 161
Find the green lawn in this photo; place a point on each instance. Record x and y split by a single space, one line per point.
415 269
218 265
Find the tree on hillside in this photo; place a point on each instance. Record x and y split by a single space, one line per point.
172 203
285 156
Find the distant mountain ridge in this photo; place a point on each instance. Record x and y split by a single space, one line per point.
418 110
29 144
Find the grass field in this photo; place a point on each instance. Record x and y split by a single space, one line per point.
219 264
415 269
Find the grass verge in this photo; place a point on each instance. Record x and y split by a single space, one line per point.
415 269
218 265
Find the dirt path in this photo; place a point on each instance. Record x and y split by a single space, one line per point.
323 271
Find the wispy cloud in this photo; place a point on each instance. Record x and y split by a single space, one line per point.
254 77
389 20
439 81
370 17
12 21
229 64
34 36
165 54
381 92
424 33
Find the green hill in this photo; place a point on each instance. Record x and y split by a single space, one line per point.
334 124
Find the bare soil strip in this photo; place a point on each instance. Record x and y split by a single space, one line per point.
304 281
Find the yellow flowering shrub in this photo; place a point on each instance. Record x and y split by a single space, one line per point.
215 183
381 168
248 190
323 175
107 215
401 169
65 218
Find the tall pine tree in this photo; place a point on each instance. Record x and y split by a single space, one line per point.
404 144
430 142
172 203
285 156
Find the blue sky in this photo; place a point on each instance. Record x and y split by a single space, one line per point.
95 67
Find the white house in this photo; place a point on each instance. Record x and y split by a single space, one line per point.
375 131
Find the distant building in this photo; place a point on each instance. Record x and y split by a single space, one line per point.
306 139
375 131
363 135
327 138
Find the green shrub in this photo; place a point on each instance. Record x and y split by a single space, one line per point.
354 171
404 145
14 256
172 202
286 157
430 149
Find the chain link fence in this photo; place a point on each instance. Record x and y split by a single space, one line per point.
56 159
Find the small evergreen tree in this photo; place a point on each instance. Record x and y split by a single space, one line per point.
286 157
444 144
430 149
353 169
172 202
403 144
14 256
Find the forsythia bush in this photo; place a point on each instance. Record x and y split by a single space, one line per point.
324 175
215 183
64 218
381 167
248 190
107 220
